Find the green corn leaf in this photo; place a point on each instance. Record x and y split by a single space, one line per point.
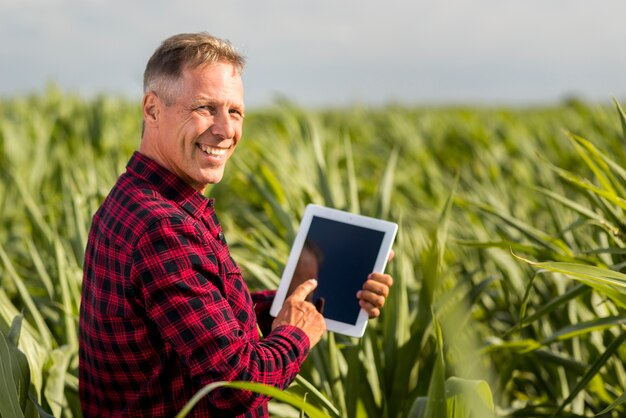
593 371
21 368
321 166
585 184
371 364
353 190
334 371
270 188
16 329
13 379
577 207
54 390
531 250
68 302
582 328
33 208
465 399
418 409
46 336
275 188
9 398
275 393
34 351
593 158
557 302
517 346
529 231
607 282
436 405
43 275
622 118
525 300
468 398
619 401
432 263
309 387
386 184
562 360
38 412
606 168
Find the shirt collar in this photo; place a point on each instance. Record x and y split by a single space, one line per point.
168 184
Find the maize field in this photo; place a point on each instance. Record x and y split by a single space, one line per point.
510 260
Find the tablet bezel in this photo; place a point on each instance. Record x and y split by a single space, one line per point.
389 230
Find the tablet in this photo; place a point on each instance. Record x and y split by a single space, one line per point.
339 249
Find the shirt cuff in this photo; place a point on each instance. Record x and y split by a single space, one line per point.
298 339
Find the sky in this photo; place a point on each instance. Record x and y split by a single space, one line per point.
332 53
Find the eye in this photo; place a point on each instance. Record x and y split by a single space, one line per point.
236 112
207 108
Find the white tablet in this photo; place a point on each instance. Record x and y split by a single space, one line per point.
339 249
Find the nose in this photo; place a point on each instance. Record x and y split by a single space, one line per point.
223 126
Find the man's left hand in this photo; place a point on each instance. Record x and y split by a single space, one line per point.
375 291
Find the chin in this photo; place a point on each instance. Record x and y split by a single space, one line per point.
214 177
214 181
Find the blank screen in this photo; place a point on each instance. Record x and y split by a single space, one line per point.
340 256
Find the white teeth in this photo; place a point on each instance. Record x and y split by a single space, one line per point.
217 152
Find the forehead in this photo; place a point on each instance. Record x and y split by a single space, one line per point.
220 81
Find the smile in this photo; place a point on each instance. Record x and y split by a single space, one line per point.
214 151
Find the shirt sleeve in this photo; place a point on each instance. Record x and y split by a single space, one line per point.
183 296
262 304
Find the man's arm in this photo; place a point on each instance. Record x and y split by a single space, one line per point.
183 297
262 304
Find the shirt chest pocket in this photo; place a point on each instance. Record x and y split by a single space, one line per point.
218 250
235 290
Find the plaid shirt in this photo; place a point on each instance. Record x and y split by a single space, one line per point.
165 310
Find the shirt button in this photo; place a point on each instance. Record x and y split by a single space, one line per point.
220 236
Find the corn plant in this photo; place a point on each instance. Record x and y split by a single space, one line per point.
475 190
565 346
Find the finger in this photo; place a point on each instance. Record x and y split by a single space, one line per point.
303 290
392 254
371 310
376 287
385 279
374 299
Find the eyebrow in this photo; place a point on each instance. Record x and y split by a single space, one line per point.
203 100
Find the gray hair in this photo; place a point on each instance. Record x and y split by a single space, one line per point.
186 50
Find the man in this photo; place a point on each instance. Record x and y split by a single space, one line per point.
164 308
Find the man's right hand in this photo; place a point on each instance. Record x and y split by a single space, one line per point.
301 313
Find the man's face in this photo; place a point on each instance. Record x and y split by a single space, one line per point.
198 132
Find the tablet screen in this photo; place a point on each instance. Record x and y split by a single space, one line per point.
340 256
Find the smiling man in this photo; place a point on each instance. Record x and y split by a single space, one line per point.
164 308
193 123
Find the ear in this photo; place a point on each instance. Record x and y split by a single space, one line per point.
151 109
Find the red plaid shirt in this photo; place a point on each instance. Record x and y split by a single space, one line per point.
165 310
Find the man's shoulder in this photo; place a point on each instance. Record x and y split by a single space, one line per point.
135 205
138 195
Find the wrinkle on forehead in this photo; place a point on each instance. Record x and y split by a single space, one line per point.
202 86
